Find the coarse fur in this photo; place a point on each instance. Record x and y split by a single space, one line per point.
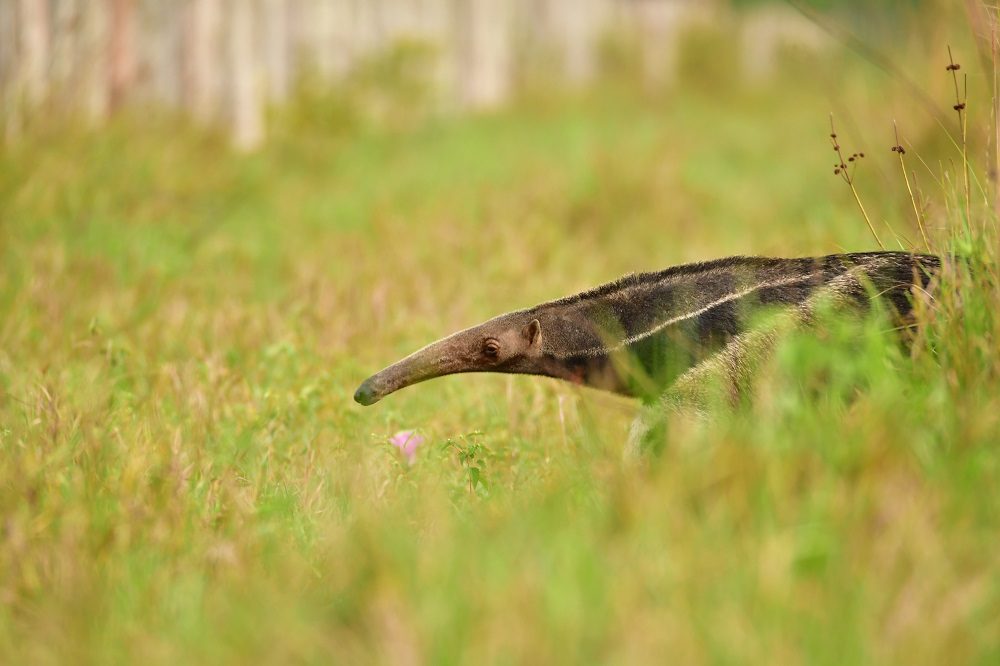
662 336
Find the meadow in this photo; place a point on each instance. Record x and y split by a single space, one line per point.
184 477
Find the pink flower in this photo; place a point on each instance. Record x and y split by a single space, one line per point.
407 442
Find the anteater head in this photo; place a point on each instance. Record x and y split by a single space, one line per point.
510 343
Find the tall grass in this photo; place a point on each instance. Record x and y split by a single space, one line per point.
186 479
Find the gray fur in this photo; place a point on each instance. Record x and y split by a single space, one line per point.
674 328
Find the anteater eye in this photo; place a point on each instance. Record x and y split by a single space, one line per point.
491 348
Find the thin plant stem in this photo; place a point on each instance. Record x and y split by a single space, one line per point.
898 149
963 121
865 213
846 173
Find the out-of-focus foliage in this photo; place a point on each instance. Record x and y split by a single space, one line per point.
856 6
389 91
184 477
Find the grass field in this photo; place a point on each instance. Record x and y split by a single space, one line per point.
184 477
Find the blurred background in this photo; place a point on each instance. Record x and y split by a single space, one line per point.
227 62
218 216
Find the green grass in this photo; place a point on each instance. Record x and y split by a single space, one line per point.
185 478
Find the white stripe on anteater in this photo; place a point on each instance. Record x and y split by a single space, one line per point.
595 351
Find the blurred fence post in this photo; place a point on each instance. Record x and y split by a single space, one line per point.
34 49
660 26
66 68
200 58
484 60
8 69
92 55
246 102
325 16
274 33
225 60
122 51
169 79
435 27
766 30
581 30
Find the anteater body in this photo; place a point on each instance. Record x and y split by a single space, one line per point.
646 332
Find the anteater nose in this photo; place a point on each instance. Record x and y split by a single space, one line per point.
365 395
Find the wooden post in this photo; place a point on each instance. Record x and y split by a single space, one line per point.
275 29
482 33
582 26
163 41
247 103
121 51
34 50
8 71
66 56
201 56
436 29
334 36
93 58
658 25
8 48
224 59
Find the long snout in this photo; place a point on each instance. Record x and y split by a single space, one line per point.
366 393
435 360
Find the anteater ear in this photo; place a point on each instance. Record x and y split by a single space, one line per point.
533 333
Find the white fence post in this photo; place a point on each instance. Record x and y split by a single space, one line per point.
246 100
224 60
34 49
201 57
482 30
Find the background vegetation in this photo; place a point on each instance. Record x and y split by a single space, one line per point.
184 477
